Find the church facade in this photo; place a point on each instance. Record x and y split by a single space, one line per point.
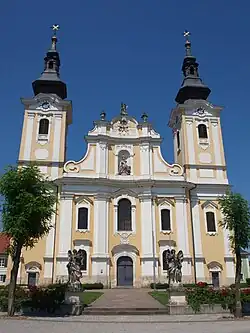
122 203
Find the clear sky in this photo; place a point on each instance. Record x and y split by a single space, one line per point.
130 51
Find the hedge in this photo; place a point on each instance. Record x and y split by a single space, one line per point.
159 285
92 286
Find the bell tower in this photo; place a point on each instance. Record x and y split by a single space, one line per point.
47 116
196 126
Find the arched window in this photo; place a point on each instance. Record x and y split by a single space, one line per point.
44 126
211 227
165 220
82 223
124 215
164 260
83 255
178 139
202 130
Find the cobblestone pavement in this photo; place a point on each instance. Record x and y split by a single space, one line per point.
126 298
41 326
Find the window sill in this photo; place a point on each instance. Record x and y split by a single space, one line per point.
166 232
212 233
82 230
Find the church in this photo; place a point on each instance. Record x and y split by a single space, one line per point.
122 204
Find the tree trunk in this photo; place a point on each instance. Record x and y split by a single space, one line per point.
13 278
238 309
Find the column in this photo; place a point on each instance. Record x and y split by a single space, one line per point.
182 235
65 237
199 258
147 238
56 145
49 252
28 136
100 256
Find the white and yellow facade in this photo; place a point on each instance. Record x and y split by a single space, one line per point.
187 191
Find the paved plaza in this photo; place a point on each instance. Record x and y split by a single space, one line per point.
133 324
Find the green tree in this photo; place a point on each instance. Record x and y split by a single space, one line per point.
29 201
236 218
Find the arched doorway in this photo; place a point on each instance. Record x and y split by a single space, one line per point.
124 272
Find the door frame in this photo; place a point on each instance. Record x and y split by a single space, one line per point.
132 256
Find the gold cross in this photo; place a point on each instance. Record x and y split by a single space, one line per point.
55 28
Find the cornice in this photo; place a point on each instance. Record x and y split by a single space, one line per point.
117 140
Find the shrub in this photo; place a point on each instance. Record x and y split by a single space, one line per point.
92 286
47 298
248 281
242 285
159 285
21 295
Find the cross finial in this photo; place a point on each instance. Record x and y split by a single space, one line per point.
55 28
186 34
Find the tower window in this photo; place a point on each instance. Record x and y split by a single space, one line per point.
82 218
44 126
211 227
202 130
191 71
165 220
51 65
178 139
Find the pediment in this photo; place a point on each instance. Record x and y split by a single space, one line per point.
208 204
166 201
124 192
83 198
214 266
33 265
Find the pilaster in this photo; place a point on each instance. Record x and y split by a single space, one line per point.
65 236
182 235
100 256
199 257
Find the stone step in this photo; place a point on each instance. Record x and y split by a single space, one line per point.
125 311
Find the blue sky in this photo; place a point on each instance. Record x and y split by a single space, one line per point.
130 51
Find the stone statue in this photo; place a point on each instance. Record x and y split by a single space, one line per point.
174 265
75 261
124 168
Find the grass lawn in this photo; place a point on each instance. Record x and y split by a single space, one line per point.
88 297
160 296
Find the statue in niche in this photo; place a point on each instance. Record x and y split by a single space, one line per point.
174 265
75 262
124 168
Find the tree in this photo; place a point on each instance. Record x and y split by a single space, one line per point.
29 201
236 218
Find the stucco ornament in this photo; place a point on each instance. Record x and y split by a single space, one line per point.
75 261
174 265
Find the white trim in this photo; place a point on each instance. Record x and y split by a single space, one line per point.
165 205
83 204
204 142
57 137
28 135
210 208
133 214
43 138
132 256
